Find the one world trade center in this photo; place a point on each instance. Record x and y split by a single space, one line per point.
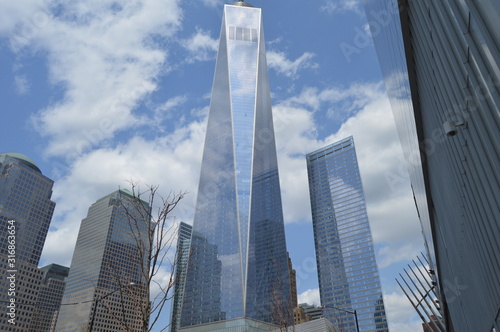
237 271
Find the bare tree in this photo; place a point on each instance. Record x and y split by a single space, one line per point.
153 237
282 314
281 309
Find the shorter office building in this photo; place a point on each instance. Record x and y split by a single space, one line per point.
105 289
300 316
312 311
49 298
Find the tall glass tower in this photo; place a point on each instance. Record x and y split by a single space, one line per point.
238 268
349 283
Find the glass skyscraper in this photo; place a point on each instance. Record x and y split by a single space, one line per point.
105 287
441 66
347 269
26 210
238 266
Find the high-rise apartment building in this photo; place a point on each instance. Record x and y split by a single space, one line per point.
25 214
440 61
105 287
238 268
49 298
349 282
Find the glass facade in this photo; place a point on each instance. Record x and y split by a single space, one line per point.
384 20
347 269
446 54
26 210
106 267
238 263
24 198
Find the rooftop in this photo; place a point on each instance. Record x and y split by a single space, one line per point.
242 3
23 158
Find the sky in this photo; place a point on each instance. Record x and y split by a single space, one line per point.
101 92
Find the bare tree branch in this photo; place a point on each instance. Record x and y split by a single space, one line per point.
153 236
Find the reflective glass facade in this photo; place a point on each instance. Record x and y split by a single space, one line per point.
238 264
25 198
347 269
106 267
446 54
26 210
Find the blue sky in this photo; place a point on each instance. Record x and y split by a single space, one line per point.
101 92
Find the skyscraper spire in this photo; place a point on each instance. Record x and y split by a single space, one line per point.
242 3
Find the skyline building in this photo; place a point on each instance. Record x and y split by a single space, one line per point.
238 266
347 270
440 61
49 298
105 287
26 210
311 310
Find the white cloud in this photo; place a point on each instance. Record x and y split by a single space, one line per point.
342 6
401 252
400 311
102 55
310 296
162 278
201 46
390 206
340 102
397 307
22 84
290 68
21 21
168 110
172 162
212 3
295 136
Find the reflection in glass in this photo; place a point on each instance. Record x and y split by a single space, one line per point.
347 270
238 264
